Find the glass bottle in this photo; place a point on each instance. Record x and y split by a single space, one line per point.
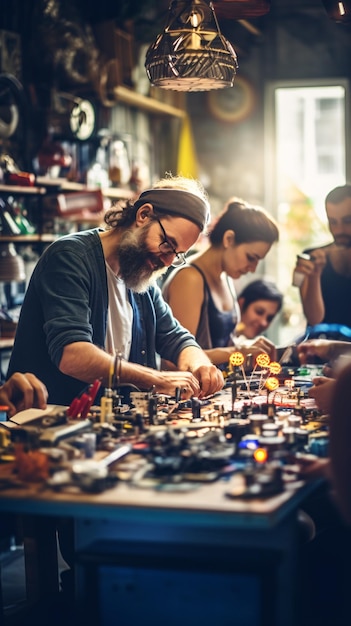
119 171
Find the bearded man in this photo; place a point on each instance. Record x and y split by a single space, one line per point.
93 295
326 289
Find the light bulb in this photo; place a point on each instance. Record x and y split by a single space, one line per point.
195 19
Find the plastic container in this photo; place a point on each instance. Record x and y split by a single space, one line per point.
299 277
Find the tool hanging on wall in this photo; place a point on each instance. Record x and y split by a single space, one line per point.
14 110
11 105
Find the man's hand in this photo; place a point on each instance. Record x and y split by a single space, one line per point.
210 378
183 382
319 260
322 348
204 381
313 467
23 391
312 266
322 391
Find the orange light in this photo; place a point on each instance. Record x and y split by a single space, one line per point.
263 359
237 358
272 383
260 455
275 367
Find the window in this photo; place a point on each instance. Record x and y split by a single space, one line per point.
305 157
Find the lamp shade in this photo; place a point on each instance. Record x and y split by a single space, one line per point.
191 54
11 264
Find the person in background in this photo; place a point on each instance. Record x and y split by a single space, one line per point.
329 505
19 392
326 289
93 296
324 349
332 396
340 437
260 301
23 391
334 355
202 295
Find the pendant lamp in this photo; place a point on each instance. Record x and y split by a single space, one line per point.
191 54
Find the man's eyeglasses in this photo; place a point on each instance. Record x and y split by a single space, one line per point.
166 248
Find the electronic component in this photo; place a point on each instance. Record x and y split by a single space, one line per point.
51 436
252 432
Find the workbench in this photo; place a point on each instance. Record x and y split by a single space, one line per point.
195 556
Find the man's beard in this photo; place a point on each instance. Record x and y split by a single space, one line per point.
343 241
134 259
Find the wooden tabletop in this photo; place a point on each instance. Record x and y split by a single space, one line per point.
206 501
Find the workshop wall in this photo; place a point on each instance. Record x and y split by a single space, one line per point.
296 41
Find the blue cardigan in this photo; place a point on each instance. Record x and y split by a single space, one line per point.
67 301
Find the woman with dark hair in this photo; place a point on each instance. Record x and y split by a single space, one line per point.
202 294
259 302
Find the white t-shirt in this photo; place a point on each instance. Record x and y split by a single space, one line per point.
119 316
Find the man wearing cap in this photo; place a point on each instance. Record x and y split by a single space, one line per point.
93 295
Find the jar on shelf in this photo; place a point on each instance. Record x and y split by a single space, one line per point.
119 170
97 174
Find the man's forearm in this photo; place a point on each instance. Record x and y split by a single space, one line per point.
198 377
86 362
191 358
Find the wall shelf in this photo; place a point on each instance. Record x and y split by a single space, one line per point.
61 184
145 103
19 190
116 193
42 238
50 185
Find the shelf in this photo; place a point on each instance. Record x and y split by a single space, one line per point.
61 184
145 103
26 191
118 194
44 238
56 185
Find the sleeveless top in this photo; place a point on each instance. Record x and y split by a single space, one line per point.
215 326
336 291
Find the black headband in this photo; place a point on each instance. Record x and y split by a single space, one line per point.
177 202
